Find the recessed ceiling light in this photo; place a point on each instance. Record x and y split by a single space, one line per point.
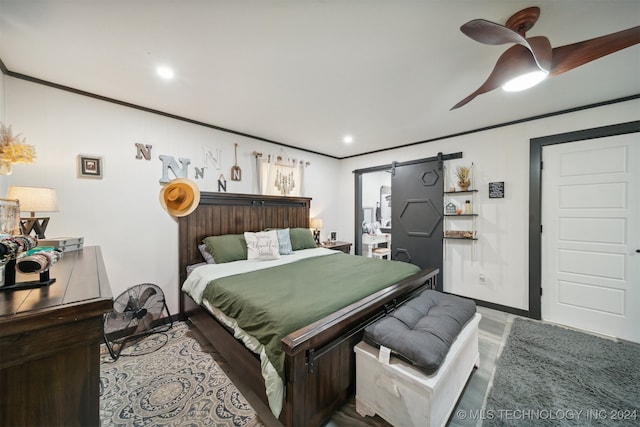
165 72
348 139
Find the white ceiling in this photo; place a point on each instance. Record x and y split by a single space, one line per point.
306 72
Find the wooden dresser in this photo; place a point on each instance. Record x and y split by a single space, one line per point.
50 344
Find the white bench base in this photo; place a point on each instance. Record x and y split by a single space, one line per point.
404 395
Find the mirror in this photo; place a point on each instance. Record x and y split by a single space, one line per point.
384 217
373 196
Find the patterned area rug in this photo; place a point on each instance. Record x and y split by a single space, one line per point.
167 380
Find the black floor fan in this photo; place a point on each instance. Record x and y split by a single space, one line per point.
139 311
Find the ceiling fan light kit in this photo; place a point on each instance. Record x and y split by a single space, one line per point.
531 60
525 81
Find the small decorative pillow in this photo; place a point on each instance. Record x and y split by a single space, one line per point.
284 241
262 245
301 238
206 254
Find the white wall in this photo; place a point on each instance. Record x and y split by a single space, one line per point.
501 253
121 212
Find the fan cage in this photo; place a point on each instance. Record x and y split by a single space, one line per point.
138 312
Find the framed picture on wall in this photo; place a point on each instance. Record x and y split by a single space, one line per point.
89 166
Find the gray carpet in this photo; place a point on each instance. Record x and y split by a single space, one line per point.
167 380
548 375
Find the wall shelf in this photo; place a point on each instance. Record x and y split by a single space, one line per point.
460 238
457 225
461 192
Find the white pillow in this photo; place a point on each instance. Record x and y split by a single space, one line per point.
262 245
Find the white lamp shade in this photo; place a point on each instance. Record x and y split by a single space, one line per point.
34 199
316 223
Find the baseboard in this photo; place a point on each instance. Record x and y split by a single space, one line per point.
494 306
504 308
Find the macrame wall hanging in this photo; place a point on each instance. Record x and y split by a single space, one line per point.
279 174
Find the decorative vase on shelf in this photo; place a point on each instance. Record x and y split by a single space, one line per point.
463 175
464 186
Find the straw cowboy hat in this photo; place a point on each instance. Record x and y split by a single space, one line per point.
180 197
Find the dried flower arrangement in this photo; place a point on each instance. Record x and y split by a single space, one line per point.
13 149
463 173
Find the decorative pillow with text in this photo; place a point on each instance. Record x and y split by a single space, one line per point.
262 245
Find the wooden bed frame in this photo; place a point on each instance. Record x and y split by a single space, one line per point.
319 358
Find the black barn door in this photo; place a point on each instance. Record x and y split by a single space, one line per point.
416 212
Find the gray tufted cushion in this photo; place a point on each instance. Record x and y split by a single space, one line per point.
422 329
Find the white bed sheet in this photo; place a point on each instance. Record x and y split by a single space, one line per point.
195 285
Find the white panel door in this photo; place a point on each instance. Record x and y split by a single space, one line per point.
591 232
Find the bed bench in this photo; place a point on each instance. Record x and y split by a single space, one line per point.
433 339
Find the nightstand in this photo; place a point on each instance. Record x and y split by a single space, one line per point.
338 246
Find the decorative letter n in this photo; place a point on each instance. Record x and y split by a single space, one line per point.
168 162
143 151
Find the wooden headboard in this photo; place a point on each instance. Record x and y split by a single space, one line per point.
228 213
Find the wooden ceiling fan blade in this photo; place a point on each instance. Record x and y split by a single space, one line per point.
568 57
466 100
515 61
488 32
542 52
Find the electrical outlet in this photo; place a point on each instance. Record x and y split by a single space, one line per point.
482 279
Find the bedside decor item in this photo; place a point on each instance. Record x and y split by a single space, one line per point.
34 199
463 175
89 166
180 197
333 236
316 225
13 149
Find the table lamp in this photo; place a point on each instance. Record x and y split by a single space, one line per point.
316 225
34 199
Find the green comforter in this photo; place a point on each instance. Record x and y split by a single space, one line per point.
271 303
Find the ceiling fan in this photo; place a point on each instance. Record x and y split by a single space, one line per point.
532 59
